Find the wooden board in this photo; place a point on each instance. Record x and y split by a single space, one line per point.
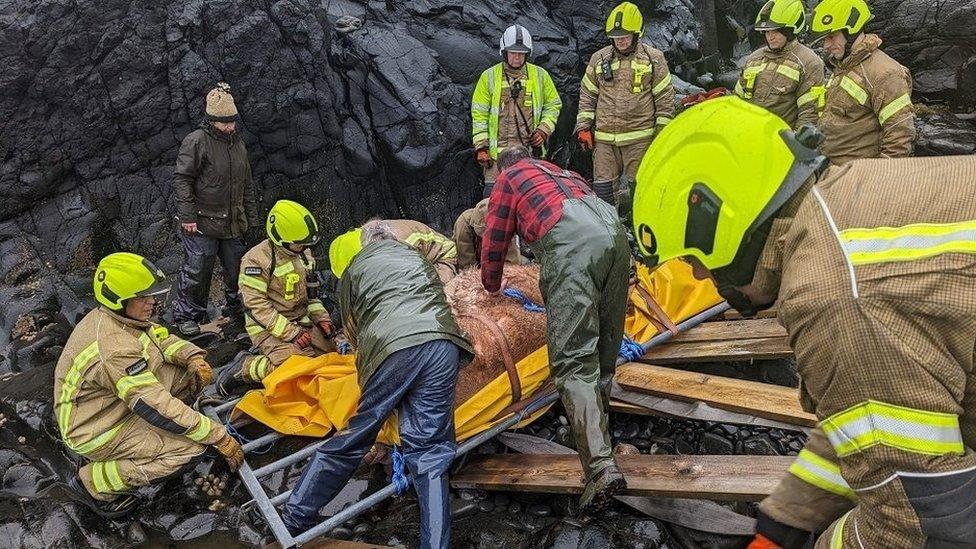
724 478
750 397
628 408
329 543
724 340
732 314
732 330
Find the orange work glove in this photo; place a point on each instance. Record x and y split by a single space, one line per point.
483 158
202 373
585 138
327 328
231 450
762 542
539 138
303 339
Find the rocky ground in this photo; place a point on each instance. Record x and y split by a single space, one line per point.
95 98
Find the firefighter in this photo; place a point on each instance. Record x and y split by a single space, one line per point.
873 265
119 388
785 76
284 315
514 102
626 98
468 231
867 106
408 351
437 248
584 276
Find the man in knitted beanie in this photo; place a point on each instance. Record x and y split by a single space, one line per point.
215 205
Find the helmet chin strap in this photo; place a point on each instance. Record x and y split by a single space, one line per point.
631 49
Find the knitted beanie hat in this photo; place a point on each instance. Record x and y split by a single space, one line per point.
220 104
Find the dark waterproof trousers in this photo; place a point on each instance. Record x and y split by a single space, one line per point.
418 383
193 286
584 281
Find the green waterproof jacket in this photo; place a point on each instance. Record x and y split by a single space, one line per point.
391 299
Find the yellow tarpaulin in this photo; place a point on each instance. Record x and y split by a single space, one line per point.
313 396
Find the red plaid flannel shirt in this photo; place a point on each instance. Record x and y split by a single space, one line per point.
527 199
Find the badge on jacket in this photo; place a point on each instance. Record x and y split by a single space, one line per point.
139 366
252 271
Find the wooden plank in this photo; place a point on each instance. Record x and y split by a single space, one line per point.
738 395
732 330
732 314
617 405
725 478
678 352
329 543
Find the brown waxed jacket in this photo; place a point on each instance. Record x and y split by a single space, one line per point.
868 111
105 378
275 291
634 104
468 230
784 82
212 183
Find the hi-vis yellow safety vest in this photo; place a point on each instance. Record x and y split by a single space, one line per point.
487 98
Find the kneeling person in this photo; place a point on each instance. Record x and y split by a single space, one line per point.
118 388
408 348
284 315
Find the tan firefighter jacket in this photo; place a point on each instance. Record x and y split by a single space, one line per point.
436 247
468 231
274 285
867 111
784 82
105 378
626 99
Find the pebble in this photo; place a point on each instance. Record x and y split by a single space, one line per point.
563 420
486 506
22 440
759 445
136 535
515 508
624 449
540 510
544 433
631 431
341 532
362 528
463 509
715 444
501 500
466 495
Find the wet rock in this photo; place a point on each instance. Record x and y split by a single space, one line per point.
624 449
341 532
461 509
714 444
540 510
759 445
486 506
942 134
136 535
194 526
361 529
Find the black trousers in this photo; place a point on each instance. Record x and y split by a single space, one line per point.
193 286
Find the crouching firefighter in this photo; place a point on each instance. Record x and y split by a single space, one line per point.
879 302
585 270
119 388
284 315
408 349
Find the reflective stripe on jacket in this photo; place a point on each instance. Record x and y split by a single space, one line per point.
486 104
785 82
629 101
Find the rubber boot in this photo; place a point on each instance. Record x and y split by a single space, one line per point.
231 380
604 191
600 489
120 506
434 497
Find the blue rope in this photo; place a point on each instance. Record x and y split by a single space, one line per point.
527 303
630 350
400 482
345 348
242 440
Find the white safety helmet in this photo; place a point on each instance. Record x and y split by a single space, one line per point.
515 39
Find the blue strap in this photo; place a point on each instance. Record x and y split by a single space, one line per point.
527 303
400 483
630 350
344 348
242 440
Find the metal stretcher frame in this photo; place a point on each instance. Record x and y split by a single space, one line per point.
266 504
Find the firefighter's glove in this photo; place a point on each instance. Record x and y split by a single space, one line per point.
327 329
483 157
585 138
539 138
202 373
303 339
231 450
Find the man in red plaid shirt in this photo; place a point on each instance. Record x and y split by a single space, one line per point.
585 269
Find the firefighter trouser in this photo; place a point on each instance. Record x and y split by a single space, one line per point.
585 269
611 162
273 352
418 384
140 453
897 378
193 285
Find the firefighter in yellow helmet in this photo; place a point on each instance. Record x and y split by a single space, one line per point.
514 103
867 106
785 76
119 391
626 97
875 276
283 313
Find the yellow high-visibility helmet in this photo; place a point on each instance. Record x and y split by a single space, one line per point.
782 14
343 249
713 180
839 15
625 19
123 275
291 223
